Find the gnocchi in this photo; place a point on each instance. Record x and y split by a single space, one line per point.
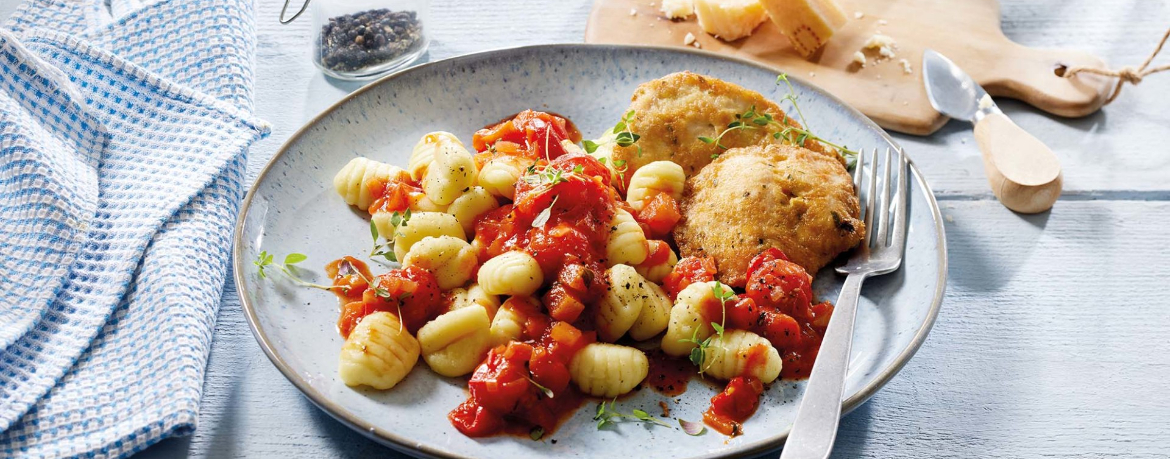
627 297
450 174
378 353
658 271
508 324
454 343
511 273
420 225
423 153
727 356
471 296
627 243
500 174
450 259
353 181
656 177
472 204
688 318
608 370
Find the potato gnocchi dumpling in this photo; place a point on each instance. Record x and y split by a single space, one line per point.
450 259
608 370
424 151
627 243
421 225
658 271
473 295
656 177
450 175
378 353
511 273
472 204
508 324
728 356
353 181
456 342
500 174
688 320
627 296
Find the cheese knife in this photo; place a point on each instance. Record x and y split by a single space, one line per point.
1023 173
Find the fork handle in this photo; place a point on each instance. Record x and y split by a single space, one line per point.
815 427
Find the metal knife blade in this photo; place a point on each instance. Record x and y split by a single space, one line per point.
951 91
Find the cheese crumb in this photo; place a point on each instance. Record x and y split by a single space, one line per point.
906 66
882 22
677 9
985 102
883 44
697 44
690 38
633 12
812 74
858 15
859 58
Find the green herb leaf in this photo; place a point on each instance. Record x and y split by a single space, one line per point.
547 392
706 139
590 146
536 433
374 231
579 169
718 328
294 258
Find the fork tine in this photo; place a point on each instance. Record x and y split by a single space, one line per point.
858 168
902 201
883 219
870 199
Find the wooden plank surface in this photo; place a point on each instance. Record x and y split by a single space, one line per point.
967 32
1051 341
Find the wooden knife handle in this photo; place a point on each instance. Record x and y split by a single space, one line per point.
1023 172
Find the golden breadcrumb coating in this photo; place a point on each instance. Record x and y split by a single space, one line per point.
753 198
670 114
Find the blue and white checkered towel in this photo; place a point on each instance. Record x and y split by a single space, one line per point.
123 134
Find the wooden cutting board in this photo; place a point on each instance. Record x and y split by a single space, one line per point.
968 32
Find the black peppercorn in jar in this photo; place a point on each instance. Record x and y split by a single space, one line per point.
359 39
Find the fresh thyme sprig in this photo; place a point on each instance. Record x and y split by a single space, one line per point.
606 416
791 134
699 352
623 136
386 249
265 259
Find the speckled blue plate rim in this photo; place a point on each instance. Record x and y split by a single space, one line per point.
406 445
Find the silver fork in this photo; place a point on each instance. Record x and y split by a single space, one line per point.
880 253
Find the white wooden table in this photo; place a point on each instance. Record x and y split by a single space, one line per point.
1053 338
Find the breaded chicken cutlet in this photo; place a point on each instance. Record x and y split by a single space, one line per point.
672 112
753 198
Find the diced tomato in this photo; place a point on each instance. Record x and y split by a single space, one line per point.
821 312
780 329
475 420
541 134
349 277
659 253
660 214
352 314
411 292
743 314
394 197
688 271
730 408
770 254
501 382
780 285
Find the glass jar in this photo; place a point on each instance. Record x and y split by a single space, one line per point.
361 39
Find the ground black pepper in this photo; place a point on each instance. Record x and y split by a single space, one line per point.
359 40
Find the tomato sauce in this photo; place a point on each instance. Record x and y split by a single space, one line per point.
669 375
523 386
412 294
730 408
785 315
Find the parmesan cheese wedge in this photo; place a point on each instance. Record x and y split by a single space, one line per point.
808 24
729 19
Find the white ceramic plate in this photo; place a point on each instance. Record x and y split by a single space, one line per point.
293 208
